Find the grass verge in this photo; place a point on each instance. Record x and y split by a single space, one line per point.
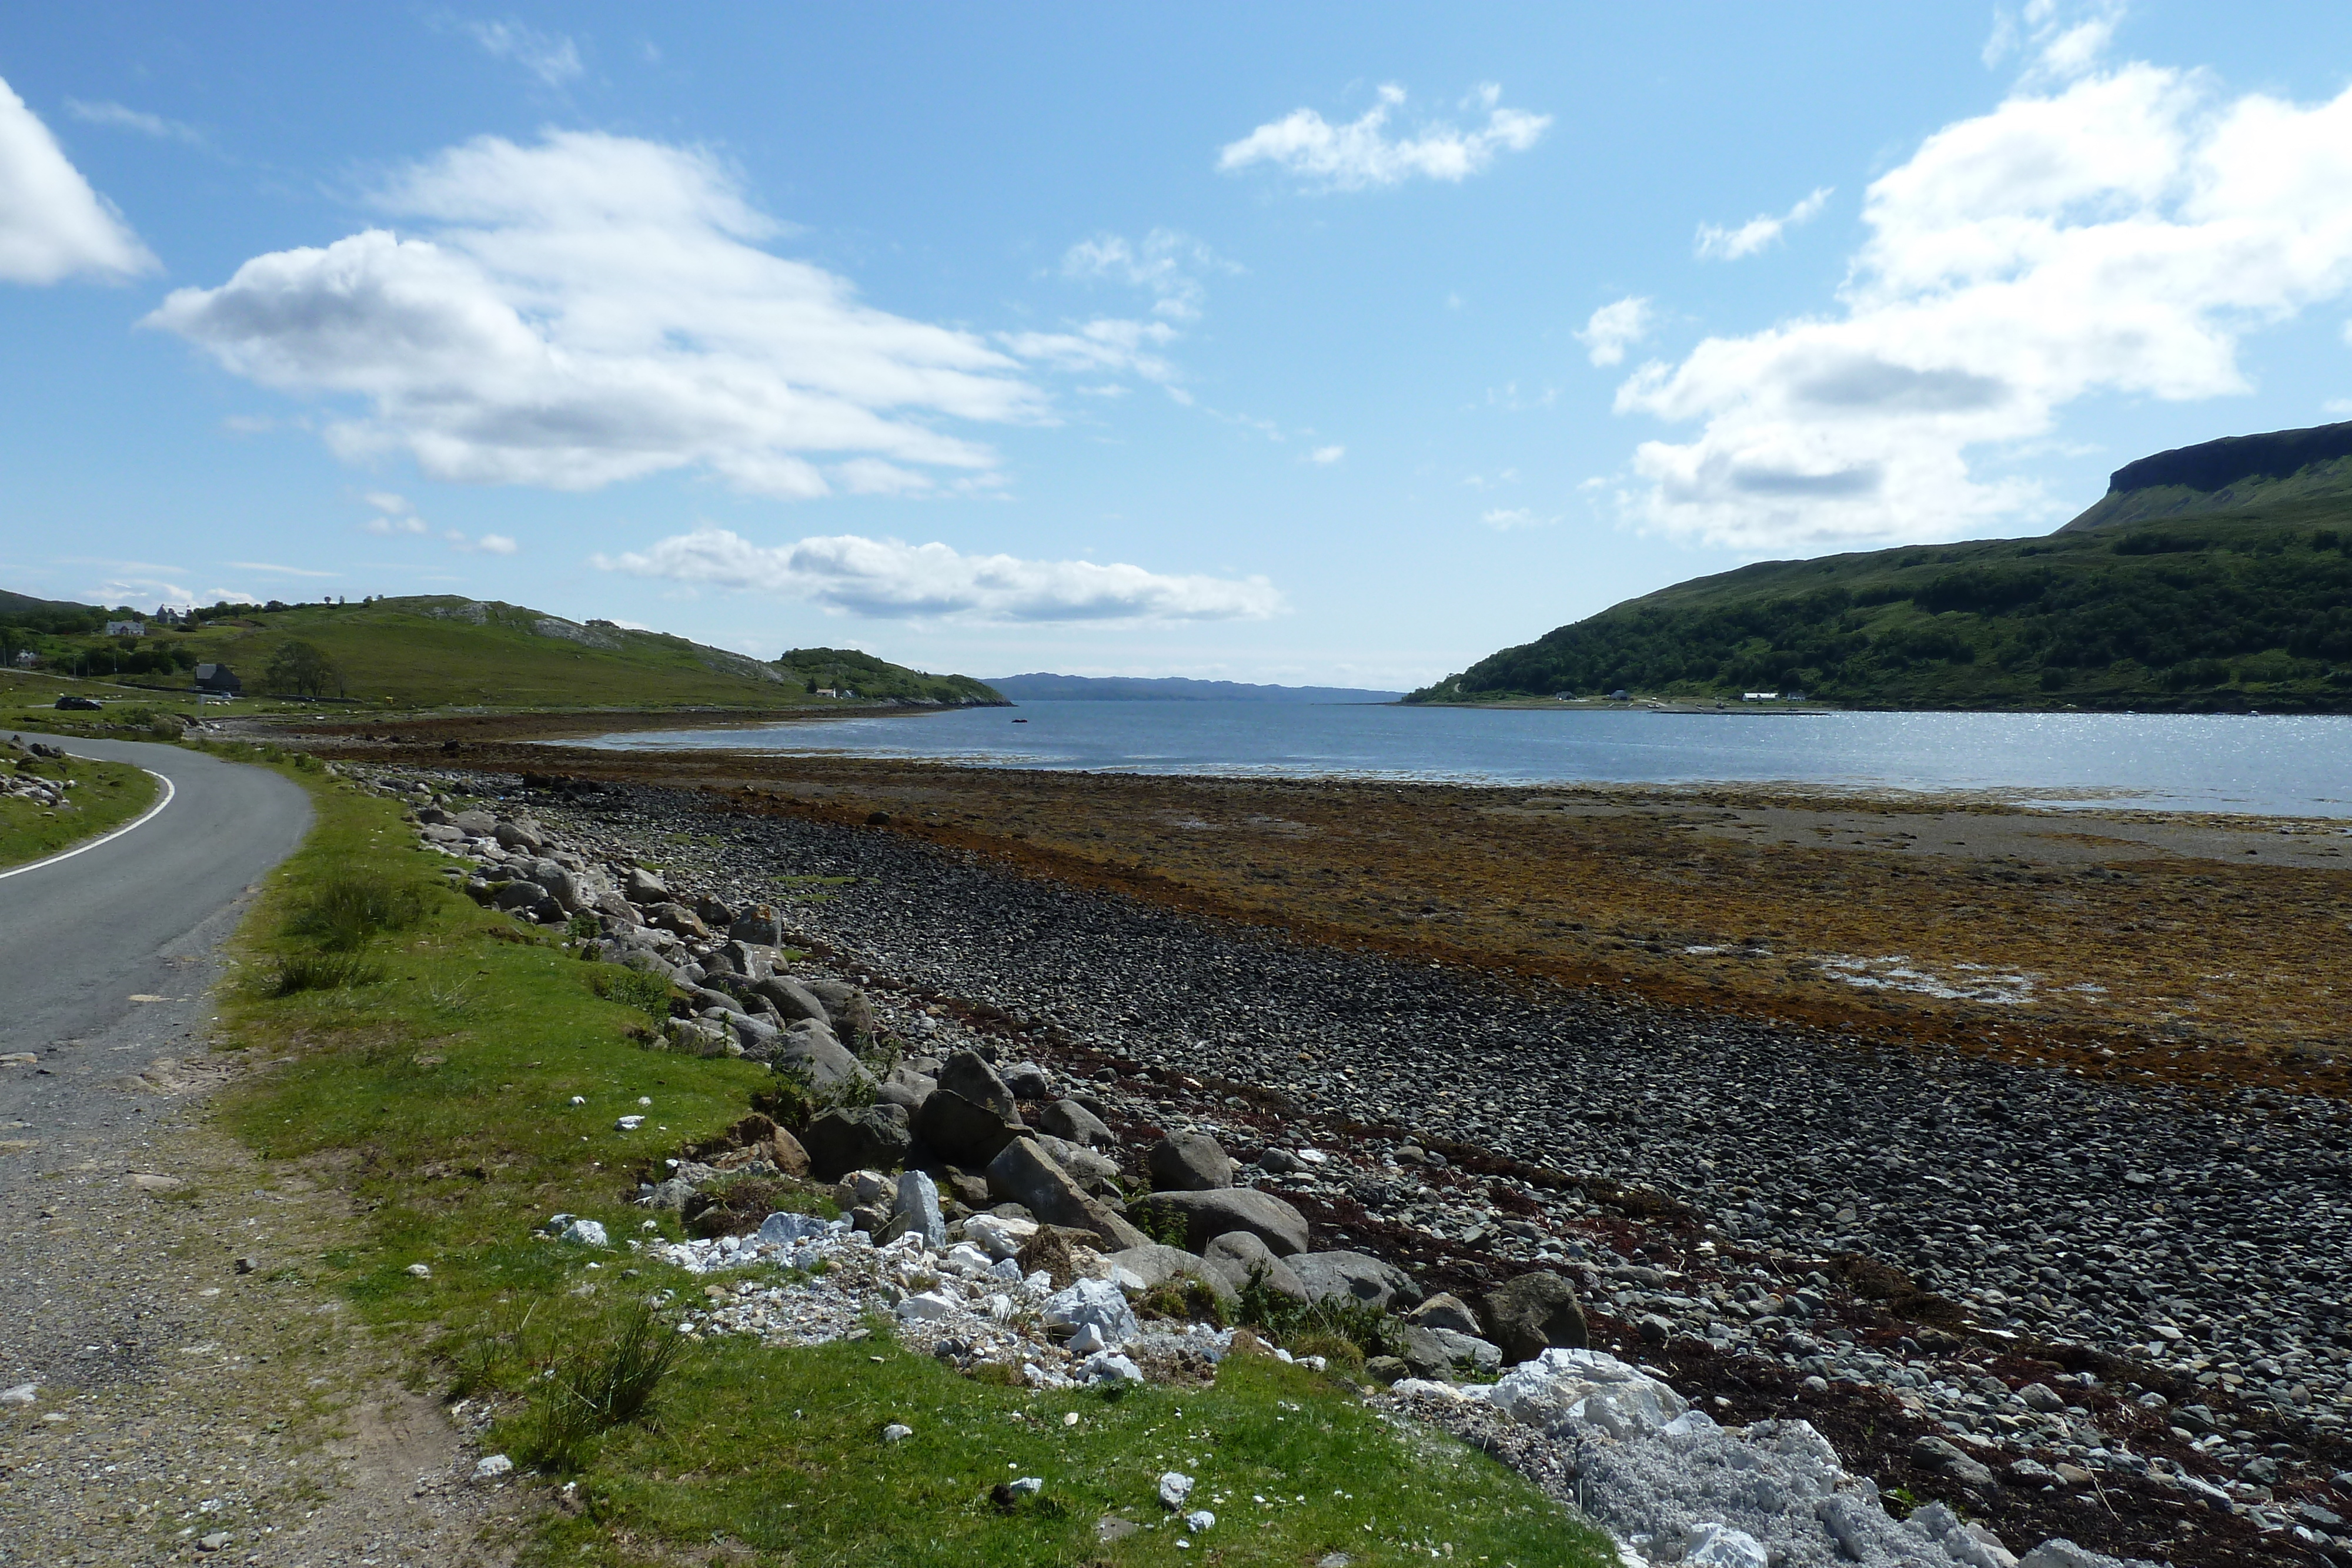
104 796
430 1069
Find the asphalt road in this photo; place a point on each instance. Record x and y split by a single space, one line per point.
106 956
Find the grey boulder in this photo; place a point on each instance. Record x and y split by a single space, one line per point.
520 833
757 924
642 886
1028 1081
791 1001
1444 1311
968 1074
1025 1173
809 1048
1189 1162
871 1137
1938 1457
1073 1123
917 1210
474 824
1433 1353
1156 1265
846 1008
1208 1215
1239 1255
956 1129
1532 1313
1358 1276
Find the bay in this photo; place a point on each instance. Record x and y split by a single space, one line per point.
2296 765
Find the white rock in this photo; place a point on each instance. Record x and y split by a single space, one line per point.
1720 1546
928 1307
580 1098
1096 1301
1088 1339
1562 1390
895 1433
1025 1486
1106 1366
22 1394
966 1259
629 1124
422 1271
999 1237
1174 1488
782 1229
585 1232
1199 1520
492 1466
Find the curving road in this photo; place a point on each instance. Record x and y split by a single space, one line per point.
139 916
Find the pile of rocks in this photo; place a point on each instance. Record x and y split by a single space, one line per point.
23 779
1753 1305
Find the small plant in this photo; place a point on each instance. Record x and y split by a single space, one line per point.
601 1387
650 994
320 972
1344 1354
344 912
583 928
1165 1226
1184 1298
1290 1321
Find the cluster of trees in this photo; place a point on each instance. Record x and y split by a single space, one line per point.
2166 610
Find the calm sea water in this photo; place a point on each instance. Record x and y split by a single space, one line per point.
2273 766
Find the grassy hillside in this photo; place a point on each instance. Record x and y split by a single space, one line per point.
2228 610
443 651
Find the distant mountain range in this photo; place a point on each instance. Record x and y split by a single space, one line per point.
2215 577
1047 688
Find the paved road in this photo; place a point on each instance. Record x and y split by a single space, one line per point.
139 916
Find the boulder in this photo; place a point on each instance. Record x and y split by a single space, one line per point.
1153 1264
520 833
870 1137
521 894
1207 1215
968 1074
1095 1173
1938 1457
1091 1304
917 1210
642 886
676 918
474 824
785 1150
1073 1123
1028 1081
1444 1311
809 1048
955 1129
561 884
1354 1274
1438 1352
1025 1173
846 1008
1189 1162
752 960
757 924
611 904
1532 1313
1239 1254
791 1001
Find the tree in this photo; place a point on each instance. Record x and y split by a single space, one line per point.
301 670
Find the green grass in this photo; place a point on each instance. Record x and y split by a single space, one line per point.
105 796
439 1098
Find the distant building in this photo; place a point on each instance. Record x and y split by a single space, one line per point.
1620 695
1793 696
166 616
1563 696
126 628
1759 697
27 659
218 680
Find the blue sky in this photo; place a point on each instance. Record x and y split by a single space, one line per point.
1327 344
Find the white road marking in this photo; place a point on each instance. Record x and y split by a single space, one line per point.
105 839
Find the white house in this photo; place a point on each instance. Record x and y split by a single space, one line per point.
126 628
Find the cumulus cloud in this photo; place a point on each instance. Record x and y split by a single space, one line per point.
2119 232
553 59
1716 244
887 579
394 515
1505 518
591 309
1615 328
1362 153
52 225
124 119
1327 454
1167 263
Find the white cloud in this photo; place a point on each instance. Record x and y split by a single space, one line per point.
591 309
1505 518
493 544
398 516
389 527
1361 153
1716 243
1167 263
264 566
887 579
2119 233
52 225
1327 454
497 544
1615 328
550 57
1106 343
127 119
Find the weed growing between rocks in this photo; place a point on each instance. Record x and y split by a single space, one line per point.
320 972
606 1383
650 994
344 912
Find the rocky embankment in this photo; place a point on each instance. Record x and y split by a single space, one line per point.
2065 1308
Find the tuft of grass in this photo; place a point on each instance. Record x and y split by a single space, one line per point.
342 913
320 972
606 1383
650 994
1291 1323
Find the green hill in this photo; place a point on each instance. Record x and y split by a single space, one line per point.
2202 581
444 650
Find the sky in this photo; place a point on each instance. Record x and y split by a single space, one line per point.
1313 344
